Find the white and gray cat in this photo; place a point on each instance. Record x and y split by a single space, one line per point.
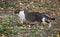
33 17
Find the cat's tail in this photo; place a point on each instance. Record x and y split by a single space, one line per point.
50 18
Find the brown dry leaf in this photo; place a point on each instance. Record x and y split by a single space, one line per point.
54 5
10 28
31 2
58 13
57 35
3 35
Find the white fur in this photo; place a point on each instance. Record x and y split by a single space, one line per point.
43 20
50 25
22 16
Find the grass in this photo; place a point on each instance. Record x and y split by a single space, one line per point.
10 28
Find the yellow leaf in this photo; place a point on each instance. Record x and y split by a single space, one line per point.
2 8
31 2
58 13
48 36
57 35
54 5
20 3
18 33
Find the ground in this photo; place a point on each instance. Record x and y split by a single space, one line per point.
11 27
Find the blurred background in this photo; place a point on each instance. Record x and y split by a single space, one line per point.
10 25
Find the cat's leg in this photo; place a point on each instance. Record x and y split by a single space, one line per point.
50 25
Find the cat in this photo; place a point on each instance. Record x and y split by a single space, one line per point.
33 17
